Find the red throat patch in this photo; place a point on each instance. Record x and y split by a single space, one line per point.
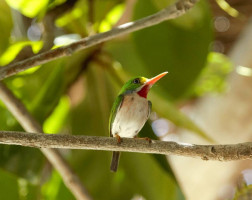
144 91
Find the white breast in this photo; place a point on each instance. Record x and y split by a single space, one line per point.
131 116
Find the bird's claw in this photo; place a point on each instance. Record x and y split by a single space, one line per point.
119 140
148 139
145 138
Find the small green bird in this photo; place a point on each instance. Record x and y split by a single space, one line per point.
130 111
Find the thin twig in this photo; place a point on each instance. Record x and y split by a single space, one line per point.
226 152
19 111
171 12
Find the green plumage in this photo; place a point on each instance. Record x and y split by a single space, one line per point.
114 109
128 87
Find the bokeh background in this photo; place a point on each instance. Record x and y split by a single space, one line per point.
206 95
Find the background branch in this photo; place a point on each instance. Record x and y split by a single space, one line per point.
227 152
49 23
170 12
25 119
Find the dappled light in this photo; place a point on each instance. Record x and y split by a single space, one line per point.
160 127
66 39
247 176
221 24
244 71
34 32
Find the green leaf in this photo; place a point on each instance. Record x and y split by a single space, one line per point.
112 17
213 76
54 122
50 91
102 9
75 20
6 24
12 51
64 193
29 8
51 188
9 186
179 46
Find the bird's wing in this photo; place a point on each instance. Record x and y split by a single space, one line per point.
115 108
150 107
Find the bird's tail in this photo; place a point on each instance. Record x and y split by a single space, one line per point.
115 161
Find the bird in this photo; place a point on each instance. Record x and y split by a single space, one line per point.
130 111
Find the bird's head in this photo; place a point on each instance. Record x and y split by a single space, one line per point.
140 85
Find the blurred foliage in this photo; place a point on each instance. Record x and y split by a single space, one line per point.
243 190
212 78
243 193
228 9
12 51
6 22
159 47
28 8
8 181
76 20
74 94
51 189
56 120
112 17
13 187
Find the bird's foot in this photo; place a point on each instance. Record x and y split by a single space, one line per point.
119 140
144 138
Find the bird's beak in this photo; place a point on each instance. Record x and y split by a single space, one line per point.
153 80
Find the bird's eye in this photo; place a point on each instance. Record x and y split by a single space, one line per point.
136 81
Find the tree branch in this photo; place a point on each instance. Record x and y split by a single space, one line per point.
226 152
171 12
25 119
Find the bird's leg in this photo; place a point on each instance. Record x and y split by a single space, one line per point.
119 140
143 138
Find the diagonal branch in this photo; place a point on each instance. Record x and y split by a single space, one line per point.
226 152
171 12
19 111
